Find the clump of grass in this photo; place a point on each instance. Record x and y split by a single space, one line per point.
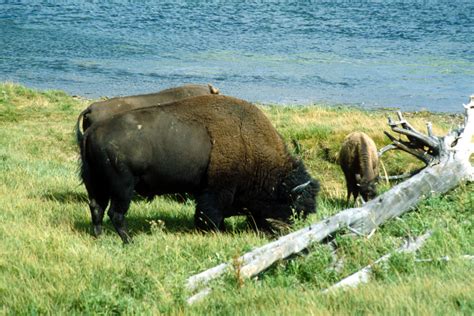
50 263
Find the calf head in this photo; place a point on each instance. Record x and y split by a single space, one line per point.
367 188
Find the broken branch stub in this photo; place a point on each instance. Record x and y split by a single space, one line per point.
424 147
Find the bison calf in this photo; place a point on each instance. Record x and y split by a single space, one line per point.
101 110
222 150
359 162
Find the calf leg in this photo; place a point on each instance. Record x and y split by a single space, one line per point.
355 193
352 189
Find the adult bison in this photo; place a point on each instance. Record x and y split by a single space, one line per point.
359 161
222 150
101 110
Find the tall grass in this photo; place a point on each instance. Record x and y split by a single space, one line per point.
49 262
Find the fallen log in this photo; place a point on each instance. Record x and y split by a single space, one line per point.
363 275
451 167
261 258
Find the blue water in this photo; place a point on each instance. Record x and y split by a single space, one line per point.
412 55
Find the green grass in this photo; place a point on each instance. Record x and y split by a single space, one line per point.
50 264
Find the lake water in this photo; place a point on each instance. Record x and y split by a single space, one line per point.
410 54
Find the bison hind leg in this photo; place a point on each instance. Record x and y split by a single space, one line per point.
98 200
97 207
117 210
121 197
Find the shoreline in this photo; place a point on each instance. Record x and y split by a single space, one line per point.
336 105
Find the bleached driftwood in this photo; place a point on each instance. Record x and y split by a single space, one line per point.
363 275
199 296
452 168
446 258
261 258
424 147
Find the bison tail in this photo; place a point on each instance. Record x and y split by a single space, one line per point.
77 127
84 168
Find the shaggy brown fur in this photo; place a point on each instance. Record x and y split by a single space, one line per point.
101 110
359 162
242 137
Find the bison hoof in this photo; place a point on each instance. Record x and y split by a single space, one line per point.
97 230
126 239
208 225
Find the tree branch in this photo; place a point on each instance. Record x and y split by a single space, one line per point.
363 275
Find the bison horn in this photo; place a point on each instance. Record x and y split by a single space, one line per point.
299 188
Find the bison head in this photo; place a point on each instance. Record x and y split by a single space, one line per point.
296 195
303 197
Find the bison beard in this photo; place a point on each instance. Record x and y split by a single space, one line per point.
222 150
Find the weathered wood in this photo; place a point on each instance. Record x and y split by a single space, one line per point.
464 141
421 154
363 275
453 167
198 296
404 175
261 258
412 134
424 147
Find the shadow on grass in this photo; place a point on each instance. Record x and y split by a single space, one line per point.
168 223
144 224
66 196
172 223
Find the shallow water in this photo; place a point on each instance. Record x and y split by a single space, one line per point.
409 55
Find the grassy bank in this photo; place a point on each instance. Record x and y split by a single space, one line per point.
49 262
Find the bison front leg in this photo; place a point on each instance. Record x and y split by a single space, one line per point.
209 210
259 223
